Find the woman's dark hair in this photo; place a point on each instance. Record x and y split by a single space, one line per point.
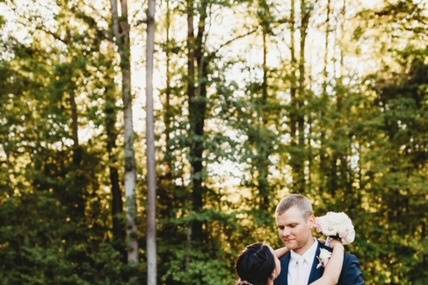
255 264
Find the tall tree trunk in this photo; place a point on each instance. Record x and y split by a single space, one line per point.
344 162
342 31
121 32
197 96
305 12
77 187
350 173
119 233
293 97
151 157
341 171
110 112
309 141
78 184
167 107
263 165
310 153
166 187
195 226
326 47
324 100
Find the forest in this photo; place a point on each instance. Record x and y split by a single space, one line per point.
150 141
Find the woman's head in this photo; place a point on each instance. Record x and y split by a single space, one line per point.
257 264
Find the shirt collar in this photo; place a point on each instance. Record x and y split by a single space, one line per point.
308 256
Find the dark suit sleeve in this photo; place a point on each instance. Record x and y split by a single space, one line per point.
351 272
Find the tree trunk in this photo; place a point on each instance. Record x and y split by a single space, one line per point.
166 187
78 187
151 157
119 233
293 99
197 96
121 32
324 100
263 167
326 47
167 107
309 140
300 118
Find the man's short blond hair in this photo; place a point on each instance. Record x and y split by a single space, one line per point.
295 200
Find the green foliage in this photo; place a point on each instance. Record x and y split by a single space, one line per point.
196 267
39 245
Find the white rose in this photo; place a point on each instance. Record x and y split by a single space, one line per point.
324 257
337 224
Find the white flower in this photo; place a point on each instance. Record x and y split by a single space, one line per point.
336 224
324 257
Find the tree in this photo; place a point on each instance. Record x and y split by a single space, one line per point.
121 31
151 158
197 69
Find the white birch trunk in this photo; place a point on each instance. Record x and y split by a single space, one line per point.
121 33
151 158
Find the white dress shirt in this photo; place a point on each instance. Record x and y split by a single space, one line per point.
300 266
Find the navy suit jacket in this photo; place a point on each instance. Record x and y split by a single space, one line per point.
351 273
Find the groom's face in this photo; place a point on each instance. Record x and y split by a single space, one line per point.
295 229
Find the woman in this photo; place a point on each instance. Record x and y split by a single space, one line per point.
259 265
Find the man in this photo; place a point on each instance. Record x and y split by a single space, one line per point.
295 221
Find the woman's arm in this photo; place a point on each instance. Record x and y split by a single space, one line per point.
281 251
333 267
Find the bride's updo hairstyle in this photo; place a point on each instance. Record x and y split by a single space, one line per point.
255 265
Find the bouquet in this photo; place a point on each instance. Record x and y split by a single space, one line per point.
336 225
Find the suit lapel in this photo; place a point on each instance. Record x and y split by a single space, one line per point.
316 272
283 277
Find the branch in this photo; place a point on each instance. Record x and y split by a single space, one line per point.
234 39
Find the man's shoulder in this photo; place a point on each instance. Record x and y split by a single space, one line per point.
285 257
